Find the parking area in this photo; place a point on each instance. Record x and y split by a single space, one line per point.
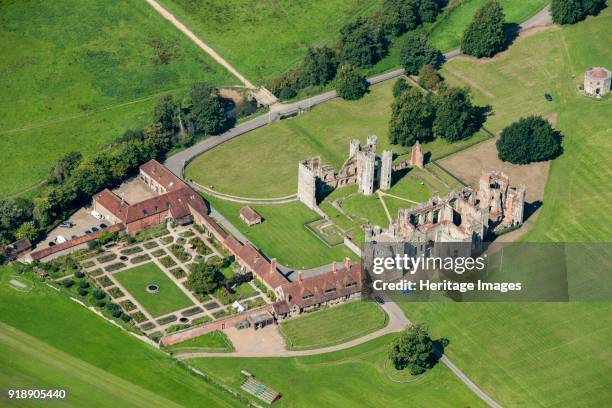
82 221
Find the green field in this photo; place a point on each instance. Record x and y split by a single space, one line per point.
282 234
50 342
264 162
332 326
528 354
446 34
168 299
355 377
577 203
215 342
76 74
264 39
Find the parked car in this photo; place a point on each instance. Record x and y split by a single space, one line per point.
379 300
74 237
51 243
548 97
67 224
97 215
94 229
103 225
87 231
60 239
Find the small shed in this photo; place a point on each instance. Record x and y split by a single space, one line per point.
260 319
250 216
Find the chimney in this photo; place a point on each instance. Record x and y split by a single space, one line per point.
273 265
347 263
300 277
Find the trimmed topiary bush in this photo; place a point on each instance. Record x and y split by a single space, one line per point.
83 292
79 274
84 284
68 283
99 294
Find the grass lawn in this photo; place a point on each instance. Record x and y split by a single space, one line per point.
59 344
577 200
331 326
521 353
355 377
77 74
264 162
446 34
213 342
168 299
264 39
282 234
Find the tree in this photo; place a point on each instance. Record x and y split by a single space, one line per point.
399 16
416 51
428 10
319 66
400 86
531 139
413 349
13 212
27 230
411 118
63 167
205 113
429 77
167 112
350 83
456 117
485 37
361 44
572 11
204 278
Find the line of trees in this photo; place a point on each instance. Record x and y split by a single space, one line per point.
448 114
73 179
572 11
361 44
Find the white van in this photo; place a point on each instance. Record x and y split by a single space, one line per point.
97 215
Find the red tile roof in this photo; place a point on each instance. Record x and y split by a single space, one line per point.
256 262
325 287
599 73
37 255
162 175
250 215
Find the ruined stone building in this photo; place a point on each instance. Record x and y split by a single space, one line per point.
466 216
362 167
597 81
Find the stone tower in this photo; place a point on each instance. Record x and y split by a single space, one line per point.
307 182
597 81
386 170
416 157
354 147
366 179
372 139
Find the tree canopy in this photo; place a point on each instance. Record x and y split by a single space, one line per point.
350 83
205 112
204 278
531 139
63 167
572 11
319 66
400 86
416 51
362 44
484 36
412 116
429 77
400 16
413 349
456 117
